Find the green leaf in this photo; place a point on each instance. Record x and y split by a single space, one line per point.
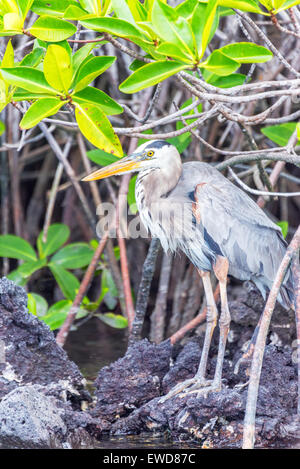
28 78
58 312
80 56
67 282
42 108
95 126
16 248
101 158
34 58
17 278
244 5
286 5
52 7
284 226
148 28
136 64
114 320
186 8
12 22
122 10
181 142
131 195
24 7
2 127
23 95
172 28
52 29
116 26
225 11
92 69
58 68
209 17
58 234
8 57
8 33
92 6
31 304
281 133
73 256
74 13
109 291
228 81
29 267
171 50
198 22
246 52
37 305
220 64
179 124
298 130
9 6
98 98
137 9
150 74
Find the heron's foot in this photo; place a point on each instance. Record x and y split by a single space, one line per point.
204 391
187 386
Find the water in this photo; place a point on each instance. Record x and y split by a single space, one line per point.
93 346
144 440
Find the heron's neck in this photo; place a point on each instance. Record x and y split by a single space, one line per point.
156 183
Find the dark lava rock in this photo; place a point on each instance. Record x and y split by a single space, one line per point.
216 420
41 390
245 313
32 417
28 351
132 380
185 366
29 419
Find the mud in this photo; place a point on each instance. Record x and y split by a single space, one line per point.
45 404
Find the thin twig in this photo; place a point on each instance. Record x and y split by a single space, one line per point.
158 316
70 173
256 366
267 41
256 192
53 191
65 328
284 156
144 291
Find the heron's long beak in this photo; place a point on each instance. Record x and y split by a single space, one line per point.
130 163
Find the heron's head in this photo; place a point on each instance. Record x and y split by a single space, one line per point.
155 154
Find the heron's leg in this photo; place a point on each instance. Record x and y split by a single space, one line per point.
211 321
198 381
221 271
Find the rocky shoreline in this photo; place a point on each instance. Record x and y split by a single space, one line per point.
44 402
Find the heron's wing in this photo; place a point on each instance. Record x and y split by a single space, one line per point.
233 223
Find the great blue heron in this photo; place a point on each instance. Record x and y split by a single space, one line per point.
194 208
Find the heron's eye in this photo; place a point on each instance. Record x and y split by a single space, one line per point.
150 153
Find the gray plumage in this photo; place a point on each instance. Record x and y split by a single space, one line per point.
194 208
